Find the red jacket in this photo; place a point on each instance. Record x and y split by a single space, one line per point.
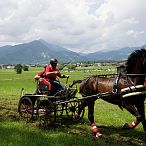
50 69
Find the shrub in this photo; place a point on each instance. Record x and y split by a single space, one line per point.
18 68
25 68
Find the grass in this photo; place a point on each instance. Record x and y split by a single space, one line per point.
108 117
32 136
12 83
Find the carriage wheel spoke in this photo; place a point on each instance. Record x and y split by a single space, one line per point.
26 109
72 109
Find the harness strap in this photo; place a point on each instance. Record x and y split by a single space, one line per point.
116 81
115 84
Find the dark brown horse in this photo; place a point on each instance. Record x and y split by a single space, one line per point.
110 88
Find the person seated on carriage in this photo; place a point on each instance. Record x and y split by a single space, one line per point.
49 76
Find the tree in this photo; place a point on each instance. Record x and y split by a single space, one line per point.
25 68
18 68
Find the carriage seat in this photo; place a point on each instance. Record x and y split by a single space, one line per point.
41 88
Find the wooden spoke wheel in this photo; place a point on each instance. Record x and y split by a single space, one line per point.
26 109
46 110
73 110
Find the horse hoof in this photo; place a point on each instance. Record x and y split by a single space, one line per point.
98 134
126 126
94 128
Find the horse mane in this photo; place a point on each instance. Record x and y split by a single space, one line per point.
133 57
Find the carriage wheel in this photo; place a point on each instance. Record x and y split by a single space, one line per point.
59 109
46 110
26 109
72 109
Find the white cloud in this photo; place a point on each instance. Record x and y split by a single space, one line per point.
80 25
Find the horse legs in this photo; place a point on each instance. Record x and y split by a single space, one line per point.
141 110
131 108
90 105
91 111
95 130
139 113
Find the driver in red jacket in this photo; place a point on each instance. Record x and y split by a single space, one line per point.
50 74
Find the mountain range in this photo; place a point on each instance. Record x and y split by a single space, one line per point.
40 52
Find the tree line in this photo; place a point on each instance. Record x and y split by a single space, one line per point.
19 67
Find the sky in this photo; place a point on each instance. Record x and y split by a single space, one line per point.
84 26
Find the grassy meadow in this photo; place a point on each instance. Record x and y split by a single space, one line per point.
108 117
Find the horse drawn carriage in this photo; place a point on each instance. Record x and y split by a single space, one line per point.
47 108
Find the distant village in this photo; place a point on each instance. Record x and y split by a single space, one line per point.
77 64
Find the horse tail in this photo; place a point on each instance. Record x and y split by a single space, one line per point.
74 82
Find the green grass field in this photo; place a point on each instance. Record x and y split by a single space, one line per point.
108 117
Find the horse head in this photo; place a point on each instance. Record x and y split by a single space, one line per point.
136 65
